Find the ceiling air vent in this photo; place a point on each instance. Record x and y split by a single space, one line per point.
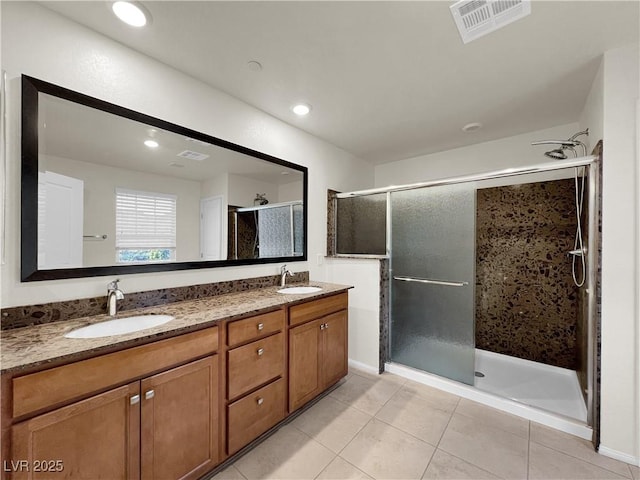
191 155
475 18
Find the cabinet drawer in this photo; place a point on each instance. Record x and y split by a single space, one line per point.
253 415
254 364
318 308
58 385
245 330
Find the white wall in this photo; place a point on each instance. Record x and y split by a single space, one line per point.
620 321
42 44
243 190
364 306
592 114
100 183
509 152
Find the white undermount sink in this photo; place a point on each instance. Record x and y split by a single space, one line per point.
298 290
119 326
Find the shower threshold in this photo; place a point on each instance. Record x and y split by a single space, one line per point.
537 414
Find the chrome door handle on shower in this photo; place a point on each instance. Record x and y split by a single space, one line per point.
432 282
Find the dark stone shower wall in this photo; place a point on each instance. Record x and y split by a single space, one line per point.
526 302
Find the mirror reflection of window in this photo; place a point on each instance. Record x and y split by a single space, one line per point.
145 226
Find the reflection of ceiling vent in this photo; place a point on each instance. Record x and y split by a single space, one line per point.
475 18
191 155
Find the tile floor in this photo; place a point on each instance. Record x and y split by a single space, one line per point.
386 427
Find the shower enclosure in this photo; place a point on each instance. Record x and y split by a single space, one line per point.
480 278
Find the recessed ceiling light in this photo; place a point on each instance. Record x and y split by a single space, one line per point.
471 127
130 13
151 143
301 109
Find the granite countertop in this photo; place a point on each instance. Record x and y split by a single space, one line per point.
36 346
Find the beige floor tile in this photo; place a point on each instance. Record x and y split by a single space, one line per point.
287 454
576 447
635 472
492 449
229 473
414 414
332 423
384 376
340 469
494 418
444 466
385 452
366 394
438 398
546 463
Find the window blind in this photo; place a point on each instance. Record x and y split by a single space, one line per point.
145 220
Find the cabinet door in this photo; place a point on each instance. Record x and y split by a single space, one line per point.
304 363
334 348
96 438
180 421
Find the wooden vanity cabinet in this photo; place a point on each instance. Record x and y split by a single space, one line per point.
177 407
164 425
256 377
95 438
317 348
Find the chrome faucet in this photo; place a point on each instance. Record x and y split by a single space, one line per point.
113 295
284 273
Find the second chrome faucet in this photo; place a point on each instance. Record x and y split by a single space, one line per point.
284 273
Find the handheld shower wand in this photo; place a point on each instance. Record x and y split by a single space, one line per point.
578 252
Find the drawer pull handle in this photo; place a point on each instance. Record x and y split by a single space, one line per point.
135 399
260 400
260 351
260 326
150 394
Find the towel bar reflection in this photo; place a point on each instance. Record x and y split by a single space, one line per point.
95 237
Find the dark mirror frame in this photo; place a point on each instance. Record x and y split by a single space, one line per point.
29 197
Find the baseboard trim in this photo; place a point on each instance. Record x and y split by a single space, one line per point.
616 455
363 366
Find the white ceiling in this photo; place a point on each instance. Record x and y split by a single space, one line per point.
387 80
77 132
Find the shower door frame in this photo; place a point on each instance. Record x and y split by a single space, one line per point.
593 175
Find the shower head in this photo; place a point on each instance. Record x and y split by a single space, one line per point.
558 153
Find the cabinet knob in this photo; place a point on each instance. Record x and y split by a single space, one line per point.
150 394
326 325
260 400
260 326
322 326
260 351
134 399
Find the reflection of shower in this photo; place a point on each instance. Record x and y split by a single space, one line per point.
559 154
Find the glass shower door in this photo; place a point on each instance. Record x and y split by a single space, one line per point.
433 280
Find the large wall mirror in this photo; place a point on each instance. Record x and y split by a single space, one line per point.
106 190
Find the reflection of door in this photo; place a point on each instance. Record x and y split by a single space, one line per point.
211 230
60 218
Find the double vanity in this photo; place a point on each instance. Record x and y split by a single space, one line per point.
172 400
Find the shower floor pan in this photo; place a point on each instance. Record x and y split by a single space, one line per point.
543 386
